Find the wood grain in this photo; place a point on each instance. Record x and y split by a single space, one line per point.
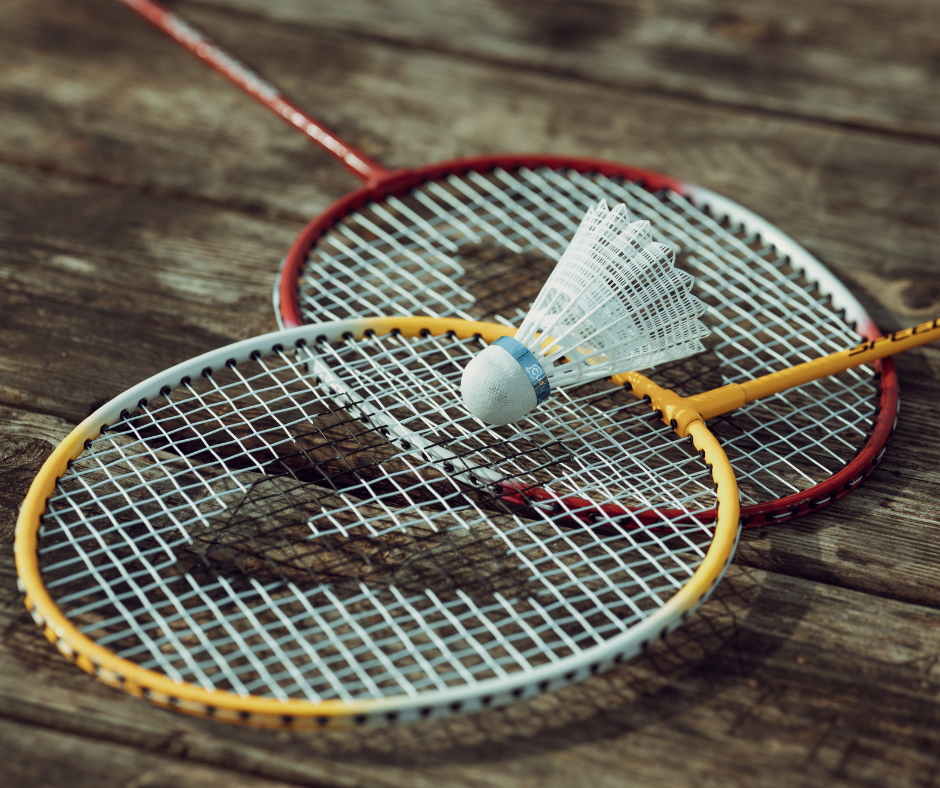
105 287
775 677
35 755
144 207
818 60
149 114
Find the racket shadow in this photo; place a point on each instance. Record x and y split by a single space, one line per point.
722 662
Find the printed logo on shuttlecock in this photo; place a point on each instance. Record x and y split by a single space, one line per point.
615 302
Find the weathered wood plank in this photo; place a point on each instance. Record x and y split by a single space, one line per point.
776 681
853 61
103 288
38 756
107 115
143 113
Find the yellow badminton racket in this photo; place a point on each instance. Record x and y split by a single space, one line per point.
308 529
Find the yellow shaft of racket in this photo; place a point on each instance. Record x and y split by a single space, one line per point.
682 411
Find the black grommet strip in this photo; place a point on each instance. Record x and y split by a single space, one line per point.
278 348
301 342
207 372
142 403
231 363
165 390
348 335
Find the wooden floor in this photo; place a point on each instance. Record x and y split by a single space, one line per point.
145 205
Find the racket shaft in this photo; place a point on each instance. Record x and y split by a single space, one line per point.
728 398
210 53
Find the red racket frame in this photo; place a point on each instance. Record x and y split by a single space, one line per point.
381 183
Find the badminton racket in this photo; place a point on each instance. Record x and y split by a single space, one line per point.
475 238
307 529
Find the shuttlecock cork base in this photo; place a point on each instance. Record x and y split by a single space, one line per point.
504 382
614 302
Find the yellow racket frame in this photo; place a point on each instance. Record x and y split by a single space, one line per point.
270 712
686 415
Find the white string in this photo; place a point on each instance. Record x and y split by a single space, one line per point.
762 314
324 562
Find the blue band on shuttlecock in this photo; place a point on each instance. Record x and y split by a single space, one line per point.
530 366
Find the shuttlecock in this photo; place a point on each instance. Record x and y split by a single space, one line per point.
615 302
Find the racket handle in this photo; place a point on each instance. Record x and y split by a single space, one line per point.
728 398
211 53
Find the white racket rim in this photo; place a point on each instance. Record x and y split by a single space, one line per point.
271 712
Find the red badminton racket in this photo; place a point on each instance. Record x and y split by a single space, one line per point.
475 238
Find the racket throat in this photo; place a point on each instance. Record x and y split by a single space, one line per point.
396 433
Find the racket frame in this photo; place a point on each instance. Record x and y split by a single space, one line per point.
843 302
271 712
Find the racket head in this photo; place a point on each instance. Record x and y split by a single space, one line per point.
476 238
191 542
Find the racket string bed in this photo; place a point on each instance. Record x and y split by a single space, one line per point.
245 532
495 237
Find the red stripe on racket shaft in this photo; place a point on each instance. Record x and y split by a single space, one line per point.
216 57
